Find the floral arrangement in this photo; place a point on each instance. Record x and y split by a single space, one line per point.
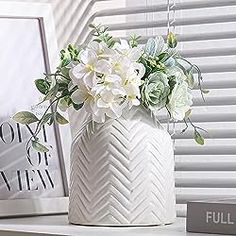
107 77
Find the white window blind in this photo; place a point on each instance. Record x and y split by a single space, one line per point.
206 30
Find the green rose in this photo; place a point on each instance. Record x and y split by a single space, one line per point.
155 91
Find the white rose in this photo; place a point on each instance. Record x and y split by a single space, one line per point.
180 100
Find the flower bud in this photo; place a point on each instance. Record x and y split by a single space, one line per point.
171 40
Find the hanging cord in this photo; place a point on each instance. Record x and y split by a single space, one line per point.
171 19
171 9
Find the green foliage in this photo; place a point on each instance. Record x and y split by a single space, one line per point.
198 137
171 40
42 85
101 34
39 147
77 106
154 47
69 54
134 39
25 118
60 119
46 119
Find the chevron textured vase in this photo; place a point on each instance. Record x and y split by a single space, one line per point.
122 173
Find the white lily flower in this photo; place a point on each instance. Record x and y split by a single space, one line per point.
120 64
126 50
111 101
109 82
131 83
132 100
89 66
101 49
85 95
132 78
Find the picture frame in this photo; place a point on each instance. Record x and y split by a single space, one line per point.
38 14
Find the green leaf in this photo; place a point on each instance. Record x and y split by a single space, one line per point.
205 91
50 122
190 79
171 40
63 104
52 93
151 47
42 85
39 147
188 113
60 119
198 138
163 56
65 71
77 106
25 118
46 118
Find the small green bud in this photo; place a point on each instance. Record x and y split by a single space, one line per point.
171 40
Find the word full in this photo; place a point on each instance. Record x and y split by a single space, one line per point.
219 218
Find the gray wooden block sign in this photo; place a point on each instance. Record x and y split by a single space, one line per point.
212 216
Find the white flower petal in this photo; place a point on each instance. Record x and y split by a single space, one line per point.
113 78
88 57
135 102
93 45
90 79
135 53
102 104
103 67
77 73
79 96
141 69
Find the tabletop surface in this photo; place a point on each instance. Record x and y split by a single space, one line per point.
58 225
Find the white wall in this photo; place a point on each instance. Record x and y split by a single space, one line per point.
71 16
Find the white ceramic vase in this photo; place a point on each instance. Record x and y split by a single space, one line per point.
122 173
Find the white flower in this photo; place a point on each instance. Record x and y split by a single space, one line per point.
131 81
126 50
180 100
89 66
85 95
101 49
111 102
109 82
120 64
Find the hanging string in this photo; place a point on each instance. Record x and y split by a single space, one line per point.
171 8
171 20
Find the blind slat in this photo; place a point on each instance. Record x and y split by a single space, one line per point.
205 166
185 197
215 101
219 84
216 179
214 52
207 183
178 22
206 150
213 134
218 117
218 68
196 37
163 7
